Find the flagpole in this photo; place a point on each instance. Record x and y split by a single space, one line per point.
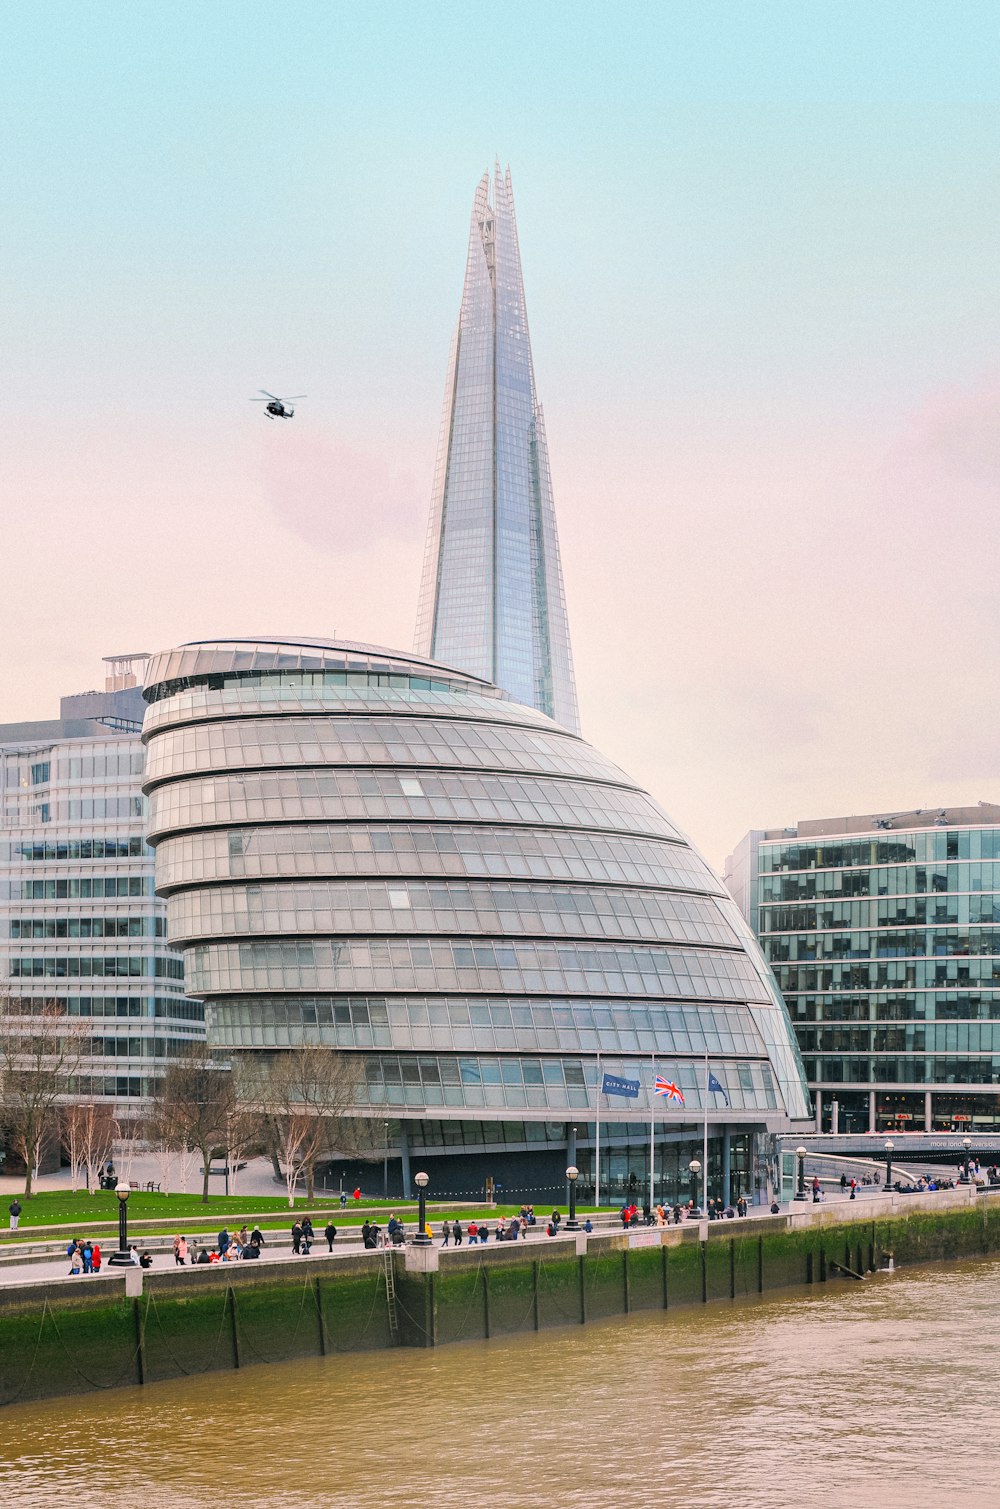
704 1140
597 1136
652 1122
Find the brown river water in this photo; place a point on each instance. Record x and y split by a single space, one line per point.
873 1396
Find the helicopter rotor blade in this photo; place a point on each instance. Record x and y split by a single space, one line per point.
269 395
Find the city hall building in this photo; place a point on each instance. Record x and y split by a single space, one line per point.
883 932
363 849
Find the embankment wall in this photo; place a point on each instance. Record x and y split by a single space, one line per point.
63 1338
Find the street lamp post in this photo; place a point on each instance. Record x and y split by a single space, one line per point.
121 1258
421 1239
967 1144
572 1174
694 1168
800 1193
888 1163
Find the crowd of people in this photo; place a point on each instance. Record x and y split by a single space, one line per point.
667 1215
85 1257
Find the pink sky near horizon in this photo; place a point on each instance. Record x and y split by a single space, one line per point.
765 341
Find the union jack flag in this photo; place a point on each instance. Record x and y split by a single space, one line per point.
668 1088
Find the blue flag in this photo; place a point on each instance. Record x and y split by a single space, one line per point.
716 1088
612 1085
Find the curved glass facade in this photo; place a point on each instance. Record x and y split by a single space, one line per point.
451 886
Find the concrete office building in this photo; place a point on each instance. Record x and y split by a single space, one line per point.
883 932
80 924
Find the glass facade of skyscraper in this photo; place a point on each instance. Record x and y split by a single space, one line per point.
362 849
492 600
884 937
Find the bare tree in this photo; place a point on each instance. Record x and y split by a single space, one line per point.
89 1133
99 1130
40 1048
244 1135
192 1106
131 1138
304 1097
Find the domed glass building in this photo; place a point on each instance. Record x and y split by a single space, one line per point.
365 849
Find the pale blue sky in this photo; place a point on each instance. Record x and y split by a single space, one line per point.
761 250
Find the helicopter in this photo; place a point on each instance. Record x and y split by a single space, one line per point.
276 406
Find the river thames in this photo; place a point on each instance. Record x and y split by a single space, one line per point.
883 1393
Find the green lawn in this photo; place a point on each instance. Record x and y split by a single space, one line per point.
72 1213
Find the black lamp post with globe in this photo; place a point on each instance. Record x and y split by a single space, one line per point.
421 1239
694 1169
572 1174
121 1258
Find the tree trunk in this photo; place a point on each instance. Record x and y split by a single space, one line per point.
310 1182
277 1168
204 1182
31 1151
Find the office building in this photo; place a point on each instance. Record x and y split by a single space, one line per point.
80 924
492 600
365 849
883 932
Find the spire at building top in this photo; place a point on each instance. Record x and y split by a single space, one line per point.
492 599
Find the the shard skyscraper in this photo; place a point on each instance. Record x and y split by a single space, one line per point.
492 598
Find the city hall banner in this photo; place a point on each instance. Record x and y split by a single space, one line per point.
612 1085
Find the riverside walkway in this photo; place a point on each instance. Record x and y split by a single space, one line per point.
46 1262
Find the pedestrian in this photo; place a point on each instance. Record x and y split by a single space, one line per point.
75 1259
203 1256
445 1233
456 1232
343 1200
296 1238
244 1235
330 1232
484 1233
133 1256
224 1240
14 1211
257 1237
473 1234
843 1183
95 1261
588 1224
854 1189
180 1251
88 1257
307 1229
357 1193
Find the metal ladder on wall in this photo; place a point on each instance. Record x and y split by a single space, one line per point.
390 1292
